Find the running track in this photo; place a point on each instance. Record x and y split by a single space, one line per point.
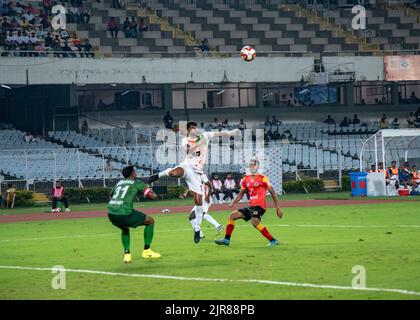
25 217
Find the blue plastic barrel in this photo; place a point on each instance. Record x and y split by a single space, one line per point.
358 182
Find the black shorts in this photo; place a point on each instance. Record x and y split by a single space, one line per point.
252 212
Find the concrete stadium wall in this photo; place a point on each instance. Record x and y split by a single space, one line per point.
366 68
168 70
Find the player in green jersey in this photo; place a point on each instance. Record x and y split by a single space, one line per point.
123 216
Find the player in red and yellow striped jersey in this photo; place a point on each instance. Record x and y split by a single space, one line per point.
257 186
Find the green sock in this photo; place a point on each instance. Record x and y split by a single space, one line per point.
148 235
125 237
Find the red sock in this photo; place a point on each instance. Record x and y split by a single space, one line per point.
266 234
229 230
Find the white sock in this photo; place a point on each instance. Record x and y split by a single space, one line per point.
210 219
164 173
198 217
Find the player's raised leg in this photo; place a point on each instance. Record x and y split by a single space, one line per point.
177 172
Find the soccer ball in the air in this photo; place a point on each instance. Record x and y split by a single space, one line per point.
248 53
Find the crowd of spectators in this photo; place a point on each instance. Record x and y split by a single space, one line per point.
27 31
131 27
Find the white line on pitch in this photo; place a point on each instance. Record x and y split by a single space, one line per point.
179 278
189 229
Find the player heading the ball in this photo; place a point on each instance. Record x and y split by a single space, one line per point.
196 145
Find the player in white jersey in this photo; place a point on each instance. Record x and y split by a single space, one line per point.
207 202
191 169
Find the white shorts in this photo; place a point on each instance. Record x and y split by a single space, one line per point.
193 179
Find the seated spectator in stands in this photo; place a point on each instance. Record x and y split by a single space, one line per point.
404 176
363 102
88 49
417 118
168 120
275 135
68 52
229 188
57 194
225 124
344 123
329 120
75 41
85 15
411 121
275 122
112 27
116 4
133 31
395 124
215 125
355 120
413 97
4 10
383 124
217 188
64 34
74 14
48 41
84 128
204 47
126 27
242 125
143 26
267 123
10 196
415 177
47 6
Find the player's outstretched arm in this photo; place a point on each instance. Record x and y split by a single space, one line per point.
276 201
150 194
238 198
230 133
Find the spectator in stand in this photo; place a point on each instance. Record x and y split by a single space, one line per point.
126 27
87 49
344 123
411 121
204 47
383 123
116 4
68 52
413 97
57 194
355 120
395 124
215 125
84 128
242 125
168 120
75 41
329 120
112 27
267 124
229 188
225 124
133 31
275 121
143 26
108 168
47 6
217 188
85 15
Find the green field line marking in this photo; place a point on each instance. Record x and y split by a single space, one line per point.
257 281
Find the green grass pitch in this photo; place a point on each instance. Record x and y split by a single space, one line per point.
320 246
